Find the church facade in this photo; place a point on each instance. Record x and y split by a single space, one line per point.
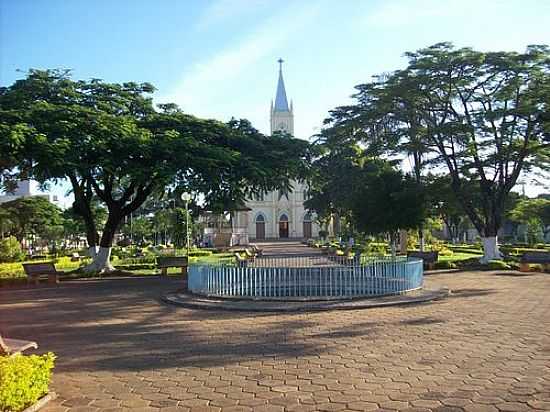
279 215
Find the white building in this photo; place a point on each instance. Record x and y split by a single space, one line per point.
278 215
25 188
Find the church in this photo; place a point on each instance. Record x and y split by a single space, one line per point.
279 215
275 215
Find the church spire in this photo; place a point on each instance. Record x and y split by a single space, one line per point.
281 102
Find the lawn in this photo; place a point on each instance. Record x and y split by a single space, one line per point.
458 256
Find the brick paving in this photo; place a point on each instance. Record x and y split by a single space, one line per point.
485 348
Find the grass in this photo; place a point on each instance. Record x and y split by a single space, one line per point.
458 256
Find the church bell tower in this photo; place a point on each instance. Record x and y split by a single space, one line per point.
282 116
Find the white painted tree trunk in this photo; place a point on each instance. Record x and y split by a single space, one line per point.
490 249
92 251
101 262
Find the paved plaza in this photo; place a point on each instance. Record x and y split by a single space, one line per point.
485 348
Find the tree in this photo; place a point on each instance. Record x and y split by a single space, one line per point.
481 116
32 215
110 143
533 213
387 201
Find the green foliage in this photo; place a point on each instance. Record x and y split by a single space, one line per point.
199 253
24 380
34 214
445 264
498 265
386 201
10 250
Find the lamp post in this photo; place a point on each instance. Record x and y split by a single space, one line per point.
186 197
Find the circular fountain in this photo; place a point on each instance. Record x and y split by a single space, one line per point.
307 277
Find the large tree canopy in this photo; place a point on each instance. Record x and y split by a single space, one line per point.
110 143
482 117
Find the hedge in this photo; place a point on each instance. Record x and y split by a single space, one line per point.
24 380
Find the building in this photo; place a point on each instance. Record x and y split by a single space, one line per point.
24 189
275 215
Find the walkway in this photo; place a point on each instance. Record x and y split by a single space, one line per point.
486 348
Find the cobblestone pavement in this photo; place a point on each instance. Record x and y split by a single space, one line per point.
485 348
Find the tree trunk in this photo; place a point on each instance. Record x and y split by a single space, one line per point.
101 262
490 249
392 245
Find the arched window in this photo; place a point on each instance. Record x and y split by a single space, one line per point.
283 218
307 217
260 218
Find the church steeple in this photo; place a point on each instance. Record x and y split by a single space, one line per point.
282 117
281 102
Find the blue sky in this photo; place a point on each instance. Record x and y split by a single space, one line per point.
218 58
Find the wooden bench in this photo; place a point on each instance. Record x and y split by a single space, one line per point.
541 258
165 262
429 258
36 270
10 347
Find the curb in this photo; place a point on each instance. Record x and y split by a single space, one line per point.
40 403
191 301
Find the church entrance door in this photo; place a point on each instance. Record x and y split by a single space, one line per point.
307 226
260 227
307 230
283 227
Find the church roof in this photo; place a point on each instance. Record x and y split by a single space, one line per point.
281 102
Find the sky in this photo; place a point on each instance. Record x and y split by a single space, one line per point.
218 58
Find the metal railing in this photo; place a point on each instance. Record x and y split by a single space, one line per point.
332 280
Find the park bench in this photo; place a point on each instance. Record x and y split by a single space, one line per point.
429 258
75 257
10 347
35 271
541 258
165 262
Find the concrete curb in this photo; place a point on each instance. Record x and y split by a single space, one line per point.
191 301
43 401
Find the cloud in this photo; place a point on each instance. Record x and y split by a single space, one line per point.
205 83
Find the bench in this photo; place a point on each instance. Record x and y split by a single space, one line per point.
36 270
165 262
10 347
541 258
429 258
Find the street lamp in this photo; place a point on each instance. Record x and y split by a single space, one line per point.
186 197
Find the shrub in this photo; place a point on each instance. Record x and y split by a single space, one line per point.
10 250
498 265
199 253
445 264
24 380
